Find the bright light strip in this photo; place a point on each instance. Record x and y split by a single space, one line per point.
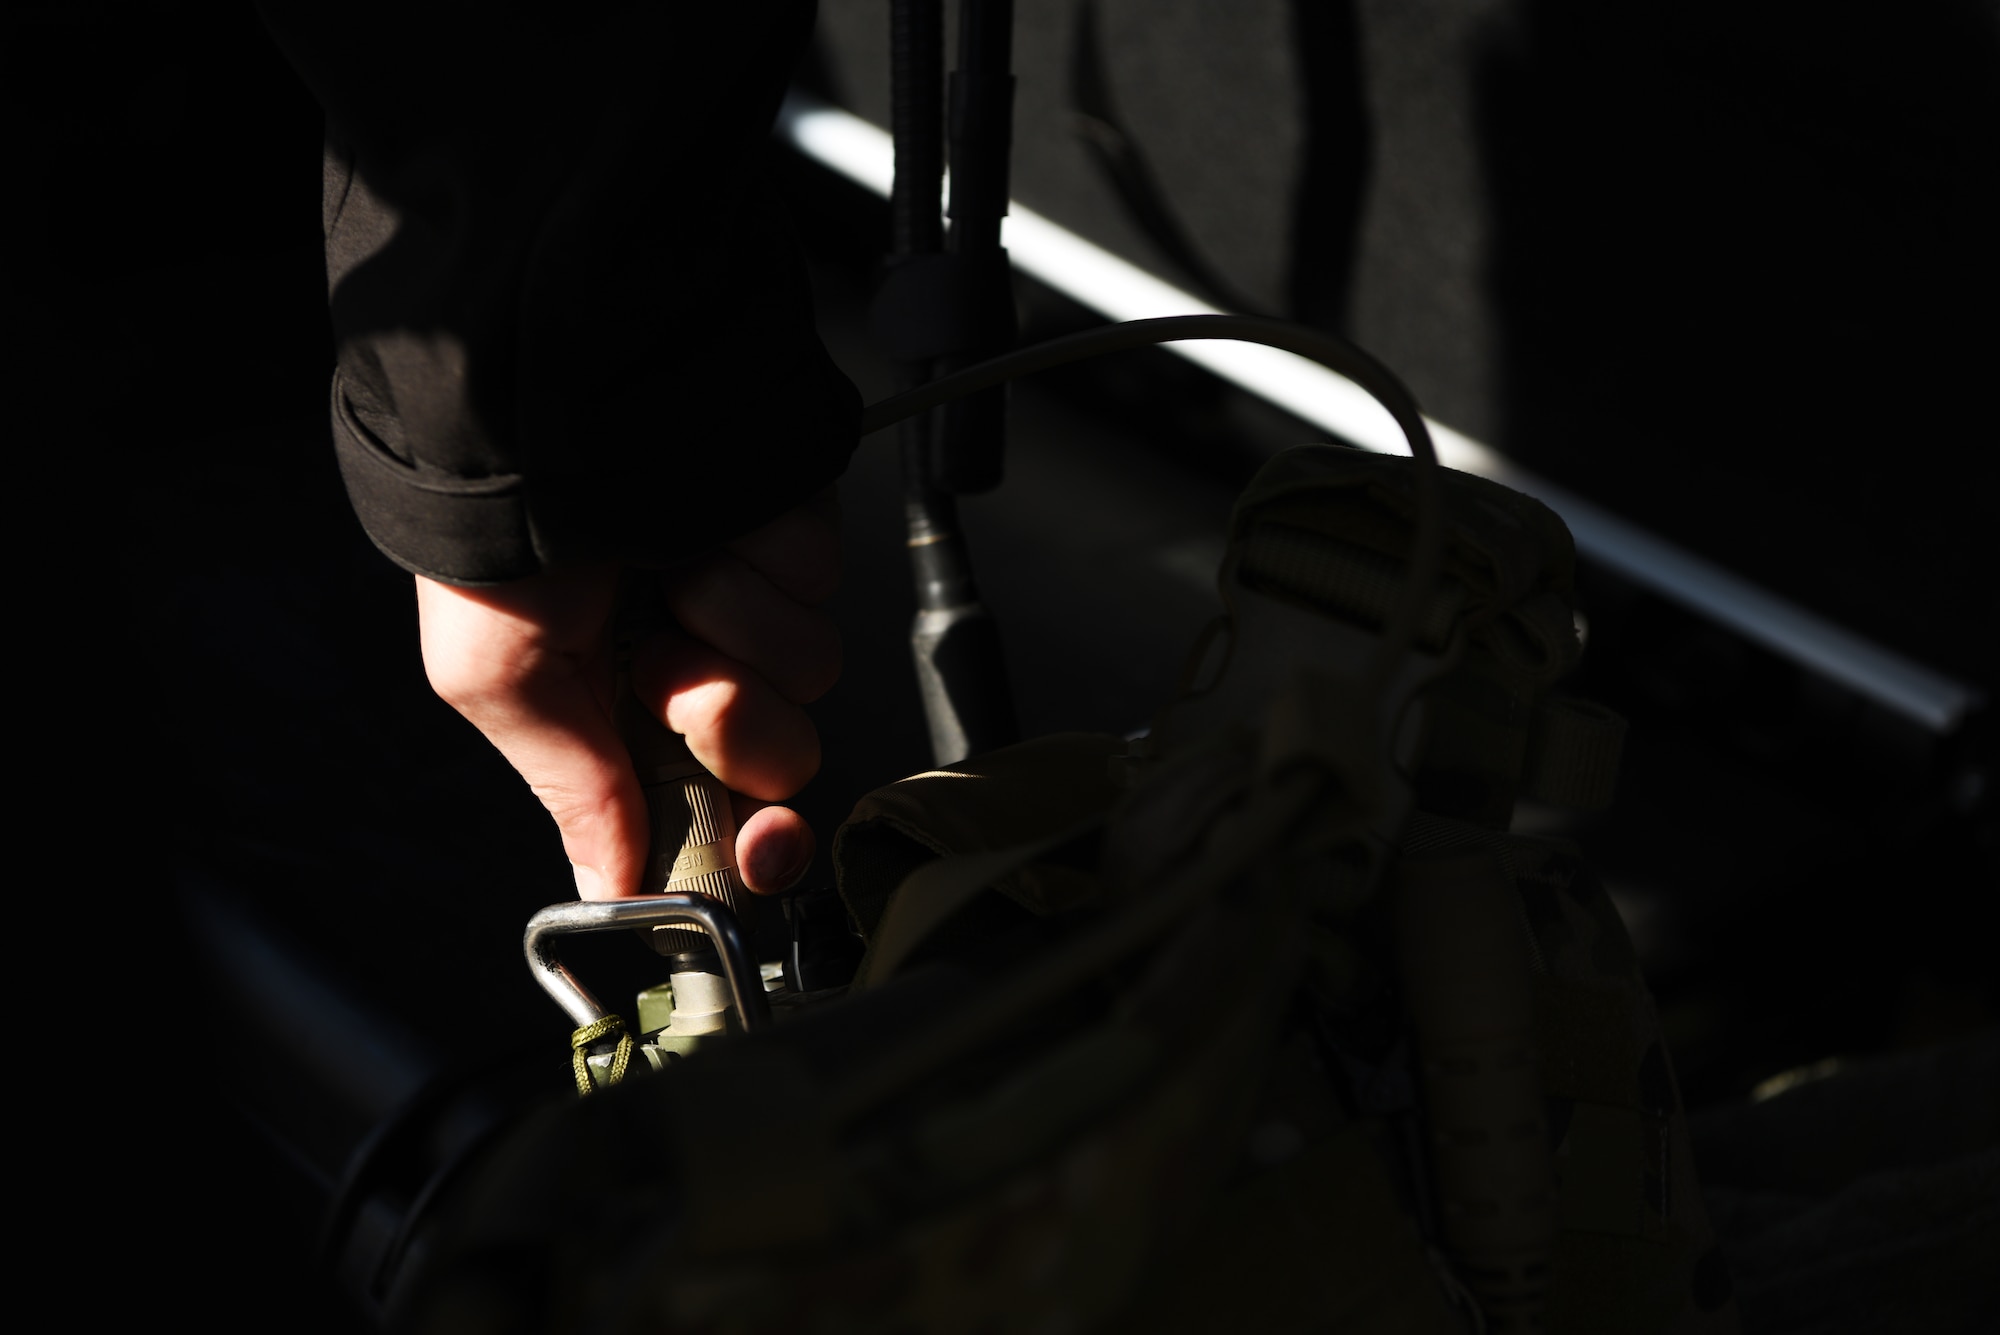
1119 290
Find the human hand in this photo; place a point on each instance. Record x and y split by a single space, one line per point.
529 664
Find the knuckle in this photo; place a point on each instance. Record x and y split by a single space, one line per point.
460 689
474 686
577 814
707 710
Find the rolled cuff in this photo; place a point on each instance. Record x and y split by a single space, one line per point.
468 531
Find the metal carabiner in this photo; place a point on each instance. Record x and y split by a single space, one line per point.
746 987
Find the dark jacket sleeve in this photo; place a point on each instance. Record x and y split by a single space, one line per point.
571 322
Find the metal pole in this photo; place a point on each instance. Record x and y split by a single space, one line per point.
961 669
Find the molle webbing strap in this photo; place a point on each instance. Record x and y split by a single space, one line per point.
1426 835
1429 836
1573 754
1468 990
1352 582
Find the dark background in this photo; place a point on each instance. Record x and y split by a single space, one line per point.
1740 278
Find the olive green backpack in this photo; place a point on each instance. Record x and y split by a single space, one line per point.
1260 1021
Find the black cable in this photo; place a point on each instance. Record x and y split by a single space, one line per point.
1328 350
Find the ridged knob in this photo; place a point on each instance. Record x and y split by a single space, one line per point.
693 845
693 851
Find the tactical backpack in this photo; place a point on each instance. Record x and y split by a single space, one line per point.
1262 1020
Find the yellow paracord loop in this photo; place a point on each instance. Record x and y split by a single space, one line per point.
580 1043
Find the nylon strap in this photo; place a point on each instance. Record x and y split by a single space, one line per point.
1348 580
1573 755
